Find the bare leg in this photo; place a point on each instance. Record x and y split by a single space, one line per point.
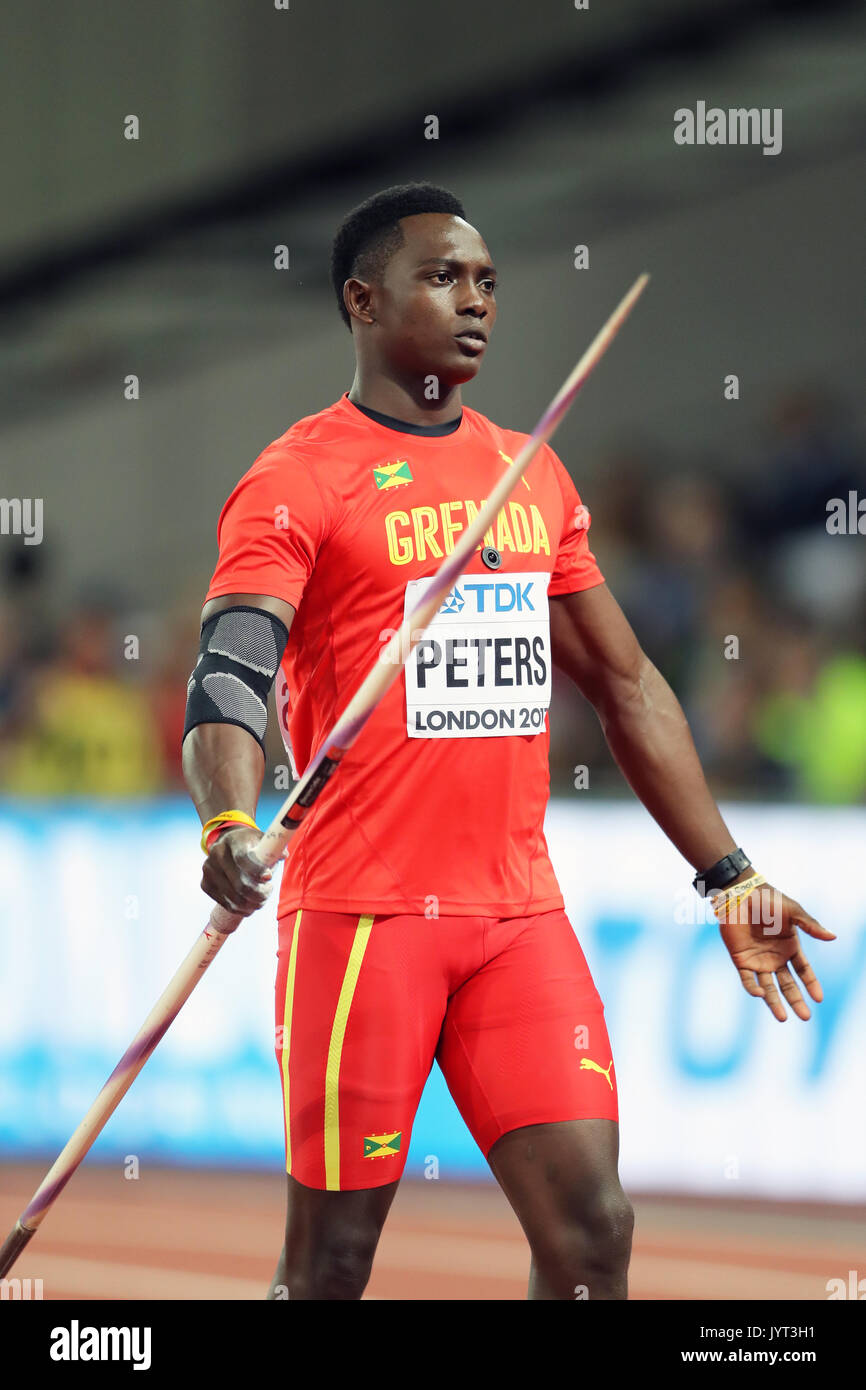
562 1182
331 1238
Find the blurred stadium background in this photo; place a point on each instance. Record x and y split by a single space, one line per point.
743 1144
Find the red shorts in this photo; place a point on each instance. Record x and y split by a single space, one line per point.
364 1004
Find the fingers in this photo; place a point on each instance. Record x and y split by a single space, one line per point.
763 986
255 878
256 886
809 925
771 996
234 877
808 976
790 990
750 984
217 886
788 986
235 886
760 984
252 867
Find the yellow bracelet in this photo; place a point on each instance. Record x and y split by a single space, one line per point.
739 888
240 816
739 892
732 897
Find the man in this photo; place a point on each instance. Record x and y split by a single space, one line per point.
419 914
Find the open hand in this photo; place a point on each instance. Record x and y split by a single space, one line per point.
762 941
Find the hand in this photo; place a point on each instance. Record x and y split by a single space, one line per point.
762 941
232 877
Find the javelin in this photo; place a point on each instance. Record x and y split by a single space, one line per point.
269 849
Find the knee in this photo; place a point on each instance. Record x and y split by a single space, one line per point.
337 1268
614 1216
594 1233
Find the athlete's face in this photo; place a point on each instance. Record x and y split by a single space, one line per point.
436 304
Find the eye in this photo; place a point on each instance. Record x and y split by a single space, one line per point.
441 275
490 285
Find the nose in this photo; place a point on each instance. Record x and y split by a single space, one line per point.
472 301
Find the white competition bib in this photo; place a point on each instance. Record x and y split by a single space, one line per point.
482 667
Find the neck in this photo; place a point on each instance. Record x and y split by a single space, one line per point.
403 400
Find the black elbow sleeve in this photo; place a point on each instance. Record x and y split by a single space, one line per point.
239 655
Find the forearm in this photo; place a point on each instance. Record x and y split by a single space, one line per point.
649 737
223 768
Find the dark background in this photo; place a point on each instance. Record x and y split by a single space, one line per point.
261 127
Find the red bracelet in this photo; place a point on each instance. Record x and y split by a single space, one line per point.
216 832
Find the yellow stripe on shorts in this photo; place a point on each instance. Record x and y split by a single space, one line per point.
287 1033
335 1052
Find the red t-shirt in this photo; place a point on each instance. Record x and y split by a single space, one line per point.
438 807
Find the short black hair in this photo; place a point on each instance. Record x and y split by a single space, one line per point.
370 233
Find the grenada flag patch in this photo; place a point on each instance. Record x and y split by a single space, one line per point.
382 1145
392 474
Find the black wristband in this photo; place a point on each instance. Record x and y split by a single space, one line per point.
723 872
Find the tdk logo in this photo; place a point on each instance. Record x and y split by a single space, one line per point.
491 596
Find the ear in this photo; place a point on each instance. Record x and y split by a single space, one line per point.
358 299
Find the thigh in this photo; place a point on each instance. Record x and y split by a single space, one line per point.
359 1007
317 1220
555 1173
562 1183
524 1040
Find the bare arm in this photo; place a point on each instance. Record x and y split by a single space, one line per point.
223 768
649 737
642 719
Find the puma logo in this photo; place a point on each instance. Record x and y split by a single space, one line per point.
587 1064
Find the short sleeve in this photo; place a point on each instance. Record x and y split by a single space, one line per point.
575 566
270 530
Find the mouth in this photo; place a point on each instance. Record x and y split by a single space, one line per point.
474 340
